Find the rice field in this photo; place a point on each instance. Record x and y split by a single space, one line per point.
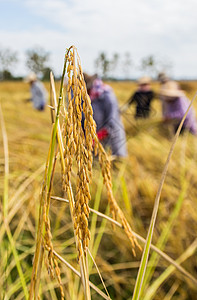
172 267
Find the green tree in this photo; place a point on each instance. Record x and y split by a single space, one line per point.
115 61
8 60
149 65
37 60
46 74
154 65
107 67
102 64
127 64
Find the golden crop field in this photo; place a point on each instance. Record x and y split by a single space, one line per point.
135 183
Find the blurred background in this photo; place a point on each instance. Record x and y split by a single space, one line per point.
116 39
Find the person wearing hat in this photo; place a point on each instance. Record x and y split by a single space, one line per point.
142 98
38 92
175 105
110 130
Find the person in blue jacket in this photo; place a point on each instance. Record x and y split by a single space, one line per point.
38 92
110 129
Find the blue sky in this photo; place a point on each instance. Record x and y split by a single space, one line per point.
166 29
17 16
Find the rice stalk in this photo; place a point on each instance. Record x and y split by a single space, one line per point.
79 229
73 144
104 161
44 211
114 207
77 145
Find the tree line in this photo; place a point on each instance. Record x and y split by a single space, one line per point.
116 66
36 60
122 65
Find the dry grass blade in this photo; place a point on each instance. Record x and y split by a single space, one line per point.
99 274
172 291
17 195
25 184
6 164
59 135
169 259
79 275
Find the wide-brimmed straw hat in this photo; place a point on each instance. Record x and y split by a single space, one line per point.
31 77
171 89
144 80
89 80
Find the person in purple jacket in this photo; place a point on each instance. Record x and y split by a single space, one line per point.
175 105
110 130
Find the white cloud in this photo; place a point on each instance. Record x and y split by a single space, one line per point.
164 28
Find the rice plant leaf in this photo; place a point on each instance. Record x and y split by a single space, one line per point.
125 196
17 261
157 283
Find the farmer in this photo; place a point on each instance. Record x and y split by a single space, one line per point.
110 129
142 98
174 106
38 92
